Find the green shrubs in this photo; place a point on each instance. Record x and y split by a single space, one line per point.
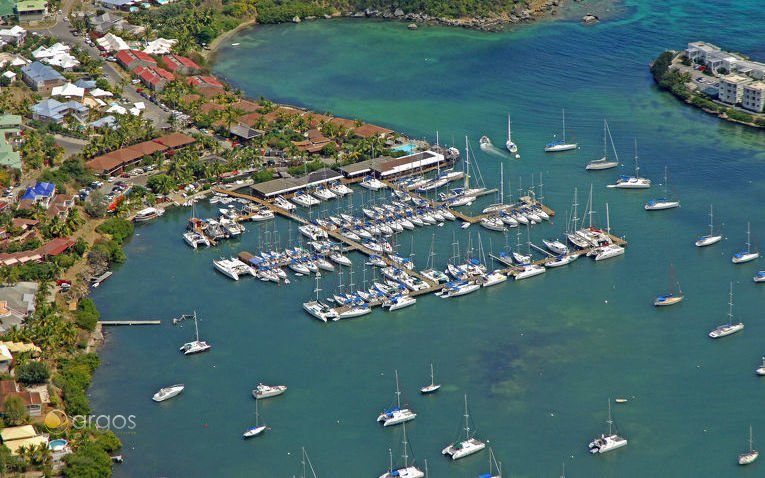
87 314
73 379
32 372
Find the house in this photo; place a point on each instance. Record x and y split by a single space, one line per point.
753 98
24 436
6 359
107 121
369 130
154 78
10 123
160 46
31 10
32 400
41 193
11 59
132 59
116 4
205 81
60 206
85 84
244 132
104 23
68 90
56 112
41 78
14 36
181 65
55 247
111 42
174 141
731 88
9 157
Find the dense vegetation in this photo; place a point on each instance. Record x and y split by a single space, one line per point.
669 79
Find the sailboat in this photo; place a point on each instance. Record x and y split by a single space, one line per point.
604 162
611 250
317 308
632 182
405 471
310 465
761 369
748 255
560 145
673 296
396 415
466 447
729 328
433 387
661 203
751 455
512 147
197 345
606 443
257 429
711 238
493 466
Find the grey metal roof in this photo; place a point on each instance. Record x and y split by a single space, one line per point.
39 72
288 185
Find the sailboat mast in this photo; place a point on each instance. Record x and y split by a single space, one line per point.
398 392
466 164
730 304
390 458
467 421
317 290
509 133
610 421
432 379
605 149
637 166
748 241
502 183
608 221
404 455
589 204
196 327
711 220
564 124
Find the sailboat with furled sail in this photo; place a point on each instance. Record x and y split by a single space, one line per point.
710 238
511 147
405 471
729 328
466 447
662 203
751 455
674 295
605 162
560 145
396 415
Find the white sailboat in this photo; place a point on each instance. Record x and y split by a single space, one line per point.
606 443
495 468
632 182
751 455
729 328
761 369
711 238
197 345
466 447
257 429
396 415
511 147
611 250
662 203
747 255
433 387
604 162
406 471
317 308
560 145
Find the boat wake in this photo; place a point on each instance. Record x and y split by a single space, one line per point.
493 150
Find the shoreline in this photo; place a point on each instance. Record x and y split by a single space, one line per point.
212 49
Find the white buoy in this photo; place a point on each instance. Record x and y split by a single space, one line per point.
517 156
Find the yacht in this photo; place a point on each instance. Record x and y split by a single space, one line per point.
662 203
606 443
604 162
340 189
556 246
167 393
759 276
233 268
372 184
751 455
396 415
323 194
261 213
433 387
511 147
632 182
458 288
530 270
711 238
194 239
197 345
302 198
747 255
466 447
232 228
560 145
398 302
268 391
283 203
314 233
148 214
609 251
317 308
493 223
561 260
729 328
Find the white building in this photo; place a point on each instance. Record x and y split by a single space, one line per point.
753 98
15 35
732 88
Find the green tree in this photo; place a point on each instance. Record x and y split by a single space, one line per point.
89 460
87 314
15 410
95 205
32 372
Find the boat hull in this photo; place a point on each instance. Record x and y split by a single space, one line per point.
708 241
726 330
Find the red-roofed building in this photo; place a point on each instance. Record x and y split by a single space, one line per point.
60 206
181 65
55 247
202 80
132 59
154 78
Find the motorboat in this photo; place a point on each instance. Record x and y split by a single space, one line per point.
372 184
148 214
267 391
605 443
167 393
556 246
761 369
484 142
466 447
261 214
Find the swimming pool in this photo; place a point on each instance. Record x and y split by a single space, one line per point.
56 445
407 148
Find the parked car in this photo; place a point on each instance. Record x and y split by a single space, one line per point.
110 179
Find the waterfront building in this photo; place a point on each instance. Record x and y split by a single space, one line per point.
717 60
281 186
753 98
731 89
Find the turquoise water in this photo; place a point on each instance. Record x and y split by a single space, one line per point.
539 358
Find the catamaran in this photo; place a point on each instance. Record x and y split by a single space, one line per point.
195 239
604 162
674 295
662 203
167 393
748 255
406 471
466 447
396 415
233 268
632 182
606 443
195 346
257 429
317 308
729 328
711 238
433 387
748 457
560 145
511 147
